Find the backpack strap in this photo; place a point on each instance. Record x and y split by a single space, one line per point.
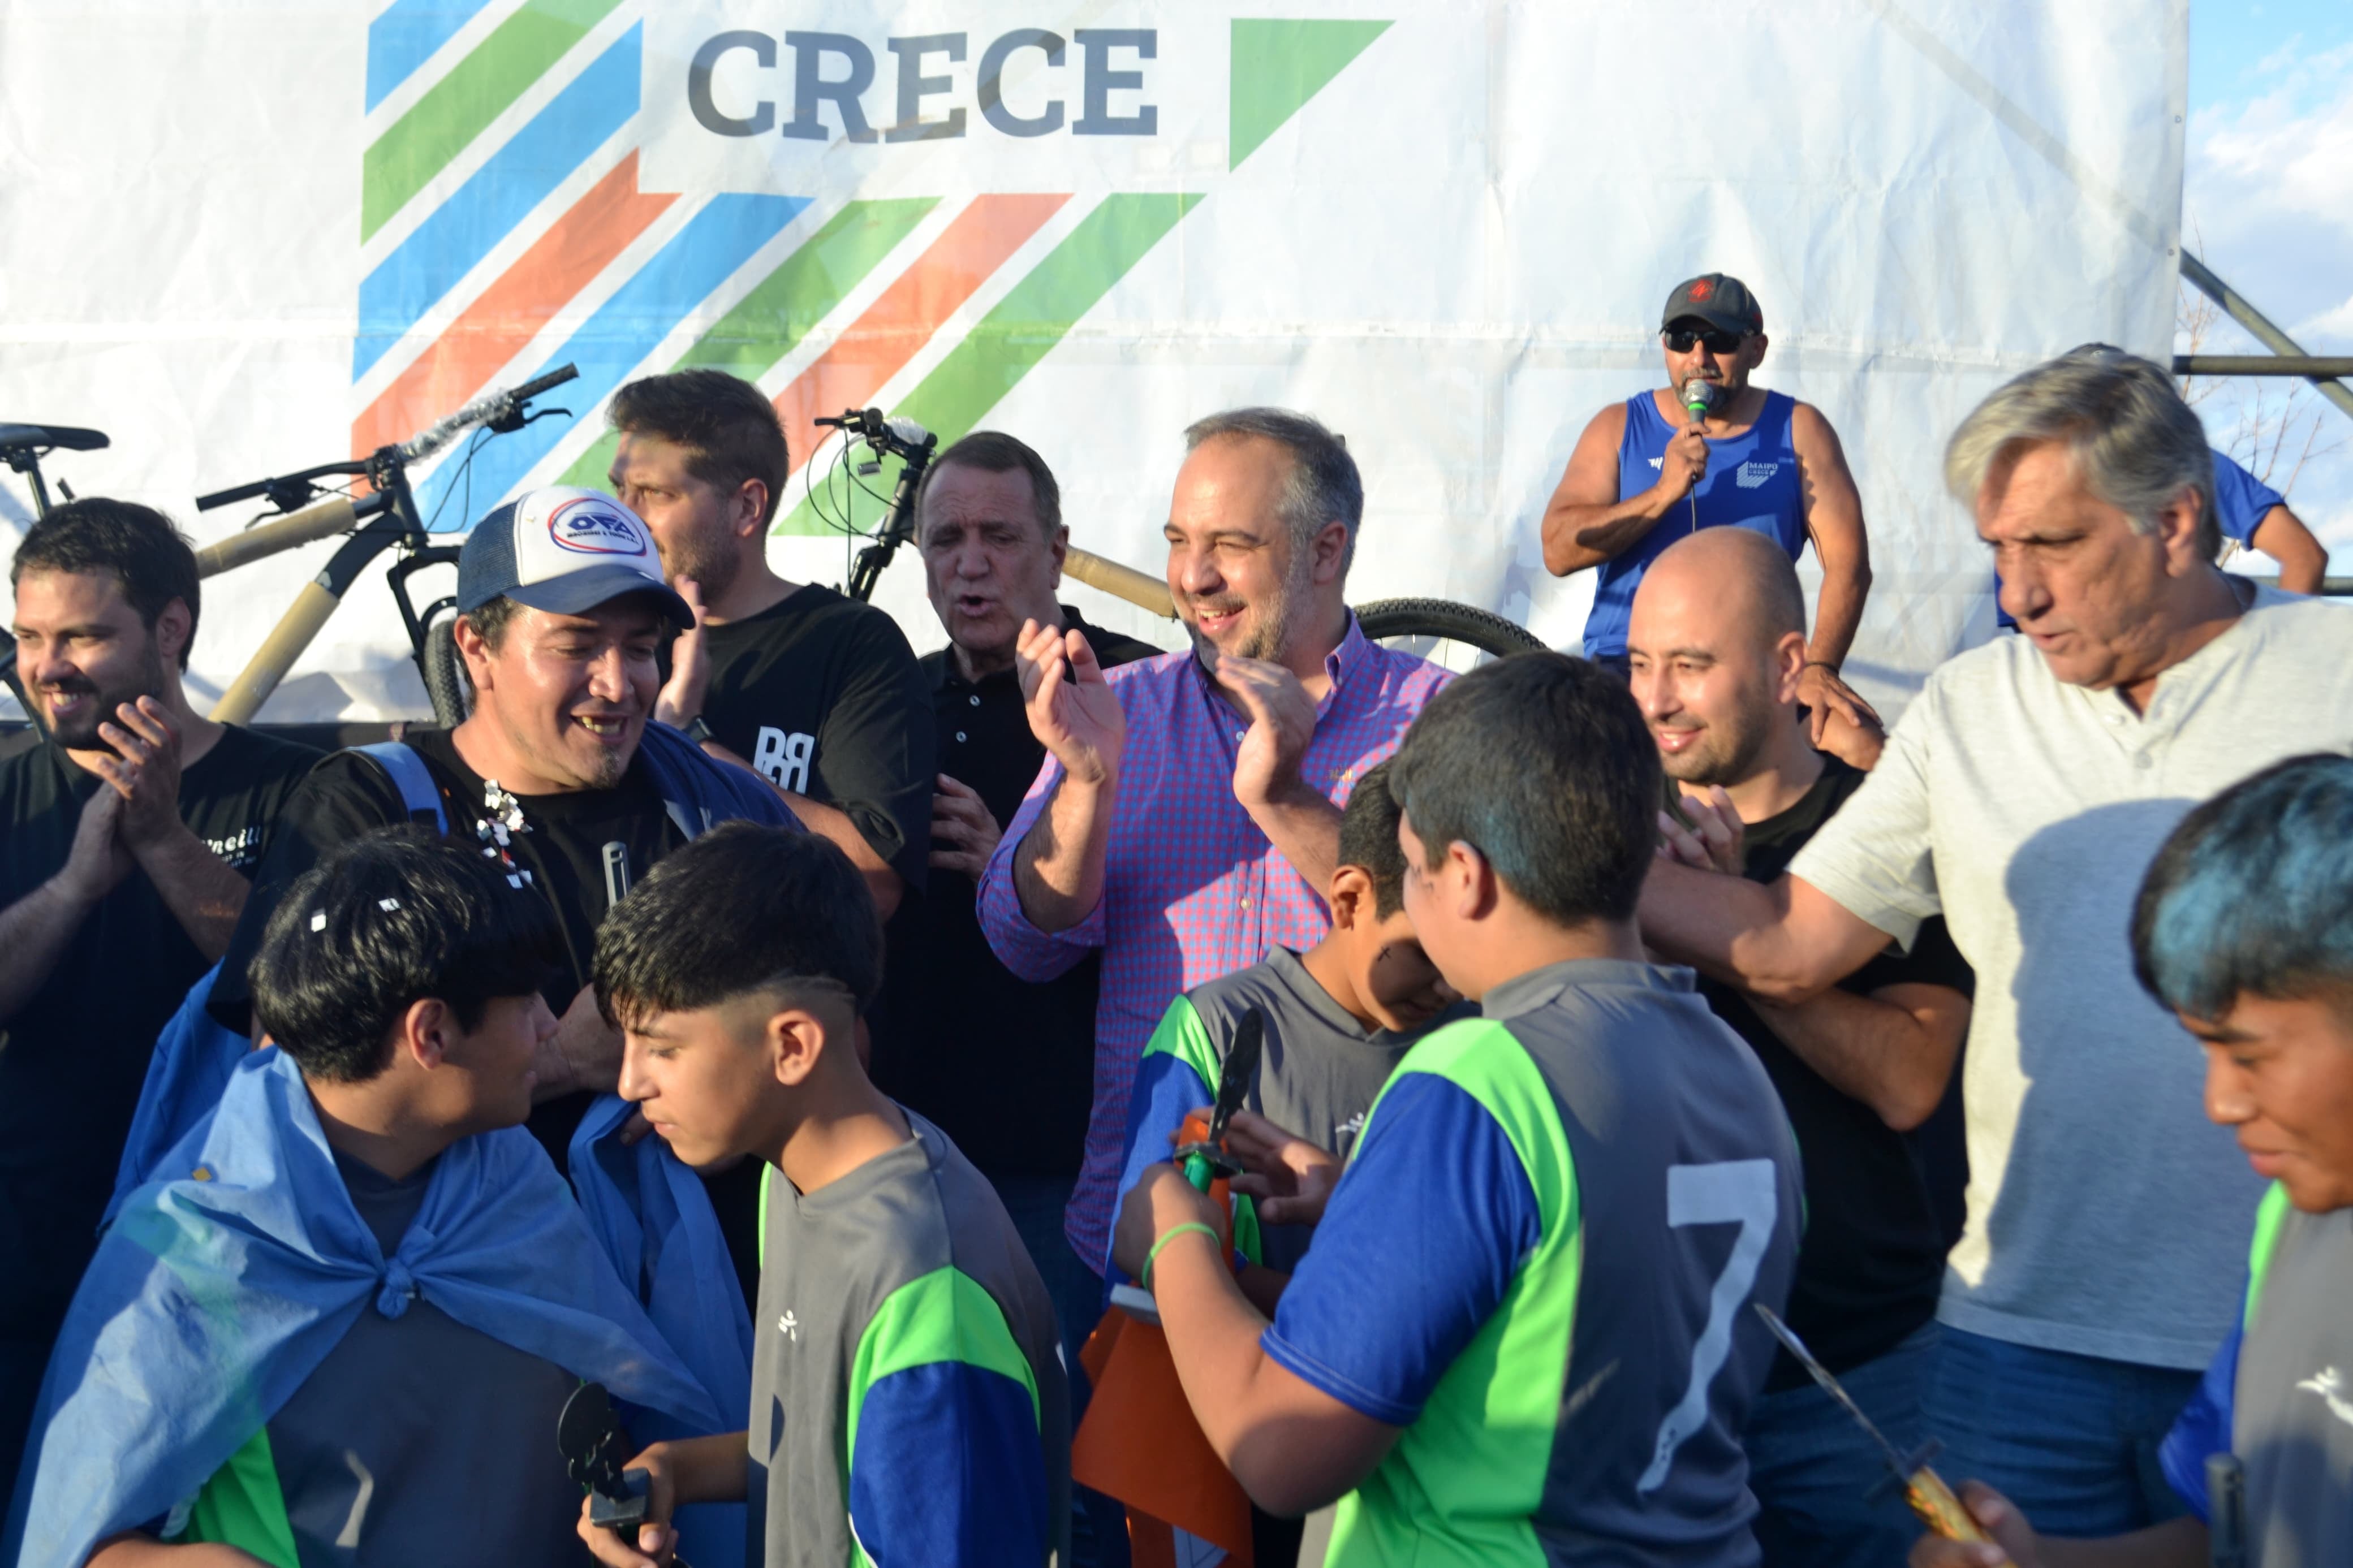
410 776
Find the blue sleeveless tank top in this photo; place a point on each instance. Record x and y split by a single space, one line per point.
1752 482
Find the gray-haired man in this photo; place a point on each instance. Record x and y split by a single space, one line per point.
2021 797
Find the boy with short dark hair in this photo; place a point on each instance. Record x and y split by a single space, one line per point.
907 1399
1338 1019
2245 927
345 1320
1524 1334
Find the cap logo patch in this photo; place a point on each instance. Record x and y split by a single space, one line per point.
585 527
1702 290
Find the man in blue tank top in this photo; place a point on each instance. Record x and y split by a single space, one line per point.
1646 473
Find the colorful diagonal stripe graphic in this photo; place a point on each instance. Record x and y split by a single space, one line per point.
503 233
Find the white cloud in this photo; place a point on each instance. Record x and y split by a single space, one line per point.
2267 203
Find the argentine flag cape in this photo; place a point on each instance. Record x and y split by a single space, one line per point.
194 1056
226 1282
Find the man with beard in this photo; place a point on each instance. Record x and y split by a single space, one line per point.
1647 471
816 694
557 775
1717 642
128 834
1188 812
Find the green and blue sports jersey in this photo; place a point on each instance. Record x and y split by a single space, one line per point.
908 1398
2280 1393
1540 1263
1318 1075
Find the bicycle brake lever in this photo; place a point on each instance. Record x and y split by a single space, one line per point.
514 419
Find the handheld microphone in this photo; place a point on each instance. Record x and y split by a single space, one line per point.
1699 396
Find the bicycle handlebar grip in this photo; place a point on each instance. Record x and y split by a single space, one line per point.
317 520
553 378
1120 582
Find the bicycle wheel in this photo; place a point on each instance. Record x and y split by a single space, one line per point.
445 681
1459 636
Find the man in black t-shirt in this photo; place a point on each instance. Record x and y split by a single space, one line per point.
125 839
1004 1067
816 692
562 608
1717 641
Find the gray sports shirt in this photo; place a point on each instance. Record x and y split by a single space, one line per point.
908 1395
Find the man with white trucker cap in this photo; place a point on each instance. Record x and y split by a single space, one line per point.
559 773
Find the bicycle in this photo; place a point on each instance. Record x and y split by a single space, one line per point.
1422 626
384 520
22 447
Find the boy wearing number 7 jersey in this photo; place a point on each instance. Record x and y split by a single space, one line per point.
1524 1332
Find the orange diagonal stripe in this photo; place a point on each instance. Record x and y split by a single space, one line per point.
514 310
879 344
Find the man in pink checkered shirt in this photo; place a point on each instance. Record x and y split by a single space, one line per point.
1189 806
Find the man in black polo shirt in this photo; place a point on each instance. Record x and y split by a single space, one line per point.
126 838
1717 642
816 692
555 776
1004 1067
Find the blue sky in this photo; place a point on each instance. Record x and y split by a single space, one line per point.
2267 201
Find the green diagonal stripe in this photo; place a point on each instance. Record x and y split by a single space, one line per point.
781 308
1004 345
475 90
1276 65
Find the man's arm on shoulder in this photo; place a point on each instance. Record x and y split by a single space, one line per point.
1418 1248
1894 1049
1783 942
2303 560
1587 522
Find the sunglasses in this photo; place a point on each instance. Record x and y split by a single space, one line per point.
1683 342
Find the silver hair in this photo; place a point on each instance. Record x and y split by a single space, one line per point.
1324 483
2137 444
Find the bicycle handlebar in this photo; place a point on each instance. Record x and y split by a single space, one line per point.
487 409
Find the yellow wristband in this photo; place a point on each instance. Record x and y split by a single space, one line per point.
1173 1232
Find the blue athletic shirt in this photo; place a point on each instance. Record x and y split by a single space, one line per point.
1752 482
2241 500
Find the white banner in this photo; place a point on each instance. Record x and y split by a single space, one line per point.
246 239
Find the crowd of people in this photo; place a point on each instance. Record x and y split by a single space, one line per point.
813 1045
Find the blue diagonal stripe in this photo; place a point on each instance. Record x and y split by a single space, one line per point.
486 208
404 37
614 341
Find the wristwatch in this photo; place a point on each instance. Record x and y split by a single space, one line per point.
697 730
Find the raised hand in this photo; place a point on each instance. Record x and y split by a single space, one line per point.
144 771
1823 693
963 834
680 701
1286 1178
1071 709
99 859
1282 721
1717 839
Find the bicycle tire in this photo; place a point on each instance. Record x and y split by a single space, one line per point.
445 679
1483 629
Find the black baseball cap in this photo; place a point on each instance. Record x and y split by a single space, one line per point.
564 551
1723 302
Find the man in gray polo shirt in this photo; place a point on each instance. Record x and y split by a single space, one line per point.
2020 797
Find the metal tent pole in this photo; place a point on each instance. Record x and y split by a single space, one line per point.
2256 323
